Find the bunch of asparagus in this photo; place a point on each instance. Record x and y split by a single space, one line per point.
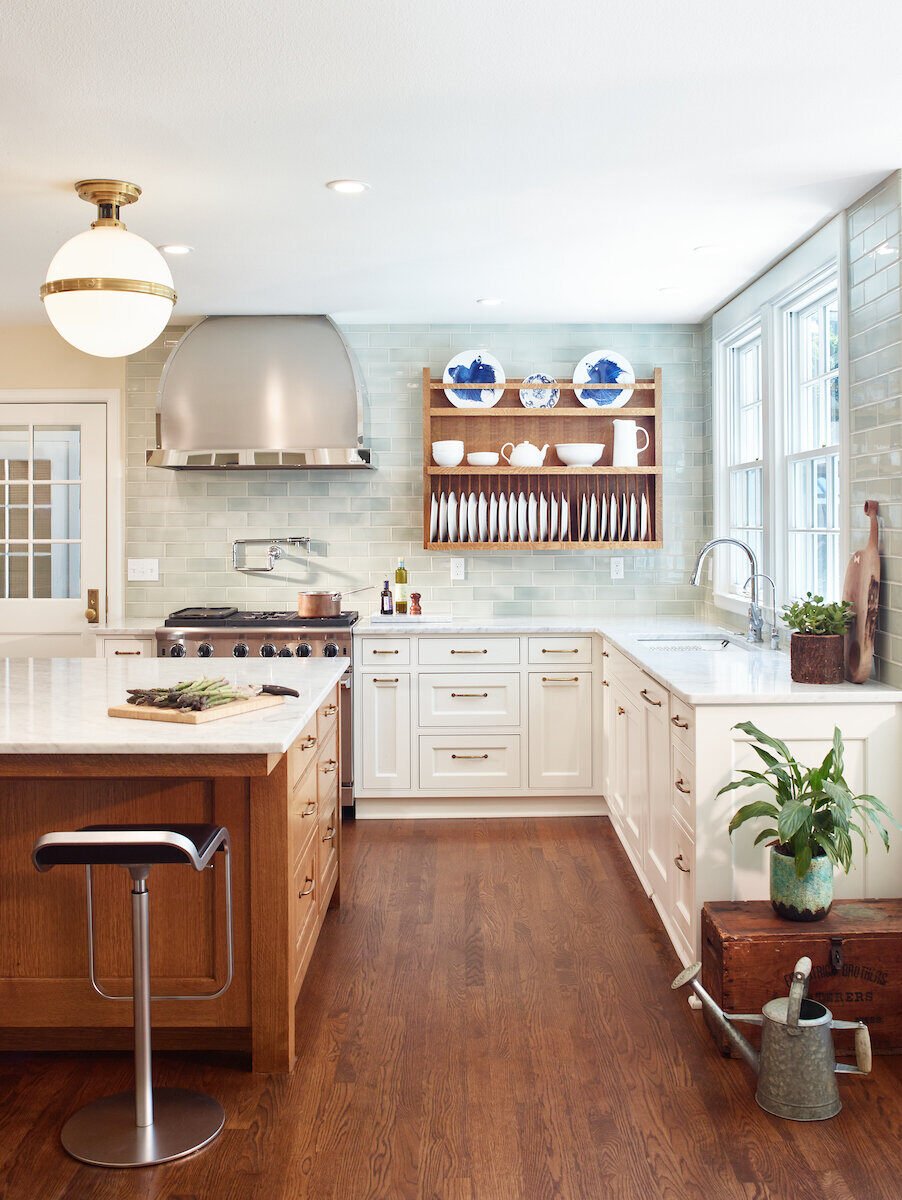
193 695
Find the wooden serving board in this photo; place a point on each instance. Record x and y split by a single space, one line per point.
235 708
862 589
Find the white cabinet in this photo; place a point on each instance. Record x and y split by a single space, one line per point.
477 698
560 729
384 757
657 856
681 911
125 647
626 746
466 760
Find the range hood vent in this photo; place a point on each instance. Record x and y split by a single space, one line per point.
260 394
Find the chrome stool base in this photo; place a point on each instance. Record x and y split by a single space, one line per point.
104 1133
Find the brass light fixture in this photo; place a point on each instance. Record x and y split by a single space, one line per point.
108 292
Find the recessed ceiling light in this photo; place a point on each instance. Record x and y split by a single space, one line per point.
491 301
708 249
348 187
176 248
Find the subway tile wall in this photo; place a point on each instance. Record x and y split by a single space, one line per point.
361 523
875 398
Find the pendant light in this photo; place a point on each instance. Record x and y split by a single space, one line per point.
108 291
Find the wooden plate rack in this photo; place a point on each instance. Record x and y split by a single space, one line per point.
483 429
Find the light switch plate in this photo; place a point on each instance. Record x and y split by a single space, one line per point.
144 570
457 569
616 568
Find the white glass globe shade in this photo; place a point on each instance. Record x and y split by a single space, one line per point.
109 324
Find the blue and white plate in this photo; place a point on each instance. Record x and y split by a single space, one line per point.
545 396
474 366
604 366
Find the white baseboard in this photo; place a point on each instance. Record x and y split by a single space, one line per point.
479 806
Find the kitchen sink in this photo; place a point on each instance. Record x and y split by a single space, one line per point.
700 643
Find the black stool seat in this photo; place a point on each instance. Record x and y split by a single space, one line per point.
131 845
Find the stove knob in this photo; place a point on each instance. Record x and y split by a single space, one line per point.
285 652
268 650
330 650
304 650
239 650
205 650
177 651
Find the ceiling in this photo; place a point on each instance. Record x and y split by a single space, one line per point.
567 157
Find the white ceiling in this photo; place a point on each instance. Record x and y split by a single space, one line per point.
566 156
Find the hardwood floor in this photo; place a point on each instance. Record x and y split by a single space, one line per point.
488 1017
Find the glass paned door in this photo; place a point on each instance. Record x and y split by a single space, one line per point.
52 514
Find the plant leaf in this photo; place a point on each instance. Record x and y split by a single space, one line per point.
793 817
758 808
751 779
802 857
765 833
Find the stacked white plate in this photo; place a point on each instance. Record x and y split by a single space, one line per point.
505 516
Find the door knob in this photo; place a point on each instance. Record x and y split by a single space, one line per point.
92 612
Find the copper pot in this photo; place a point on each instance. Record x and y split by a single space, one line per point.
322 602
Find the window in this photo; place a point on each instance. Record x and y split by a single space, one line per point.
745 441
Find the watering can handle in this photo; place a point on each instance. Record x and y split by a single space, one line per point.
863 1049
797 991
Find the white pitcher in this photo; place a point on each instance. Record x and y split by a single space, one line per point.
626 443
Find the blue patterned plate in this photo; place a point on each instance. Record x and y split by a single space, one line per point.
539 397
604 366
474 366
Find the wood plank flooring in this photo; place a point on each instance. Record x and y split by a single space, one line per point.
488 1017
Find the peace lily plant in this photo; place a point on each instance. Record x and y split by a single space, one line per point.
811 817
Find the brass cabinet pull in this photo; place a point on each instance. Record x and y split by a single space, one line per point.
681 786
645 696
544 651
560 679
678 863
469 756
330 710
469 695
118 653
310 809
604 683
375 680
604 654
385 652
469 651
307 890
329 766
308 743
679 724
620 711
329 834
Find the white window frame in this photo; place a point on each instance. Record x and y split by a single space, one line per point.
773 315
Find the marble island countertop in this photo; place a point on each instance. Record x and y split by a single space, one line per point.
59 705
740 674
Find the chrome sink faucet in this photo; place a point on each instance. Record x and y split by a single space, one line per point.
774 631
756 618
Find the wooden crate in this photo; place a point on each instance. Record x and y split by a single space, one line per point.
748 954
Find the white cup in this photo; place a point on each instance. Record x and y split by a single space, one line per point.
448 454
626 443
483 458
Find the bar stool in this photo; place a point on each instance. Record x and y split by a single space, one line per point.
149 1126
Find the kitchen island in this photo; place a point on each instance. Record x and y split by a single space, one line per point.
270 777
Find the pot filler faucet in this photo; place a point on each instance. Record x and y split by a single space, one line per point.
756 617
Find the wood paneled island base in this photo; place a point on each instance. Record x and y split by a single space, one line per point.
283 814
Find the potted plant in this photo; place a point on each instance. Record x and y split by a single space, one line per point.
817 644
811 817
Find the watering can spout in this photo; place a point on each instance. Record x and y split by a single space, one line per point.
725 1022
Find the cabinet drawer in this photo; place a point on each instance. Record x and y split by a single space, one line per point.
651 694
384 652
127 648
682 725
560 651
329 833
302 753
682 906
326 716
617 663
303 815
327 768
478 699
304 899
468 652
470 761
683 775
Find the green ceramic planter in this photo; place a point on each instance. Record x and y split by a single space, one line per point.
805 899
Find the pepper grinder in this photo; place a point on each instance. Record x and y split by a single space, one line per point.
415 610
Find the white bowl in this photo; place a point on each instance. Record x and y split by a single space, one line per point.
448 454
484 458
580 454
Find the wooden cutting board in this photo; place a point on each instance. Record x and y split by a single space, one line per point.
862 589
235 708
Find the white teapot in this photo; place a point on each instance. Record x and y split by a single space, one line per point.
524 455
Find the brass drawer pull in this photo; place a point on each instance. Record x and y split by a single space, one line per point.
544 651
310 809
330 710
678 863
329 766
620 711
604 654
395 680
118 653
329 834
680 786
469 651
307 890
469 756
385 652
560 679
604 683
648 700
469 695
679 724
308 743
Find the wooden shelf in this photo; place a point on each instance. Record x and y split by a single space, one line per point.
593 414
438 385
539 471
543 545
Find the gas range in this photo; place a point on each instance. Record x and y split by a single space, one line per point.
219 632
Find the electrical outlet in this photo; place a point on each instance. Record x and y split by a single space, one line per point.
144 570
616 568
457 569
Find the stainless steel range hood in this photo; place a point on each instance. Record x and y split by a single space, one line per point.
260 393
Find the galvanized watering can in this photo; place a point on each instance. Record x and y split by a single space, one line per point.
796 1067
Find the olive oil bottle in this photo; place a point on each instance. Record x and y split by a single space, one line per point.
401 594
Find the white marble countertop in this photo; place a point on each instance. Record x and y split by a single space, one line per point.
126 627
743 674
59 705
